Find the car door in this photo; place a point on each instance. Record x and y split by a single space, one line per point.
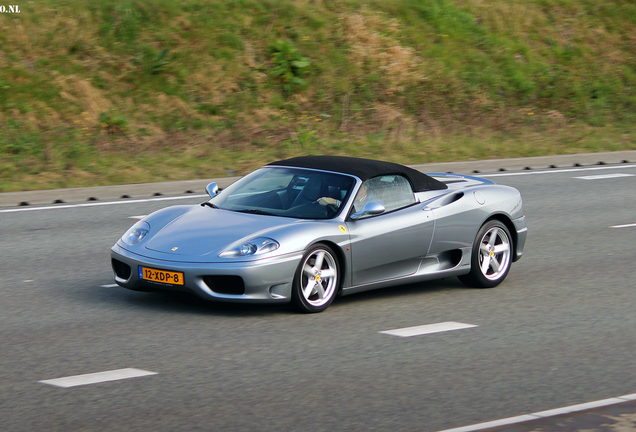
392 244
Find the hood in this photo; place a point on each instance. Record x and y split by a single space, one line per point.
206 232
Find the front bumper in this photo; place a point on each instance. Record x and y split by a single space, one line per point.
265 280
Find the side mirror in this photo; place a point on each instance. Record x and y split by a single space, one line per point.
212 189
370 209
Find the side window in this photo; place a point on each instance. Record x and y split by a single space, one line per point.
392 191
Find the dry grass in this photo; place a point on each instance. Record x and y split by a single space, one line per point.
374 48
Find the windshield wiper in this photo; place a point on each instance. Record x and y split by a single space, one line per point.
255 211
209 204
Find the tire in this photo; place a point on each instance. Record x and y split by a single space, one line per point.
316 280
491 256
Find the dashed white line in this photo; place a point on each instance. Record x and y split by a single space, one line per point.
427 329
137 217
93 204
98 377
543 414
624 226
109 286
604 176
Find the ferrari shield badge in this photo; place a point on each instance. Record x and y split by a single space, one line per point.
343 229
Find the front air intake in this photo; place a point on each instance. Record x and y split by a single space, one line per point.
122 270
232 285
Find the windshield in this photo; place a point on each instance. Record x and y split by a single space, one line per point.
288 192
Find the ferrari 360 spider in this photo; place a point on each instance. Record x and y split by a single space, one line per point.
307 229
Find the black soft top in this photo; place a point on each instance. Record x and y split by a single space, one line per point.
364 169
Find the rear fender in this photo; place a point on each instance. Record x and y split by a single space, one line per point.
459 214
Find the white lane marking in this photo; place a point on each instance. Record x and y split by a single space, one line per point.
543 414
98 377
624 226
578 407
555 171
93 204
604 176
427 329
28 281
492 424
137 217
109 286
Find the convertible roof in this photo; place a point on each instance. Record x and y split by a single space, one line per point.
364 169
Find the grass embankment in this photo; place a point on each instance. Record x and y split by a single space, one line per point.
106 92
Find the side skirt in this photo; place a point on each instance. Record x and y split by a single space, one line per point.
438 266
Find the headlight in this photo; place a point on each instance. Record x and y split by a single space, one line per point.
256 246
136 233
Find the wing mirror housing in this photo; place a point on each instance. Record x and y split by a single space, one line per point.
370 209
212 189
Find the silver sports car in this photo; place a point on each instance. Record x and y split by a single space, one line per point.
306 229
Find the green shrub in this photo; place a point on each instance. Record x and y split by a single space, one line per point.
113 125
289 66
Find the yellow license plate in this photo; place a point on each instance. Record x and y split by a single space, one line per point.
161 276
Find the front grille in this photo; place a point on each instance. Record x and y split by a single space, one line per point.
232 285
122 270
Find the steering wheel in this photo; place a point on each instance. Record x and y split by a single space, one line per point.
332 209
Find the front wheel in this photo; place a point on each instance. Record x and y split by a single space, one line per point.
316 280
491 256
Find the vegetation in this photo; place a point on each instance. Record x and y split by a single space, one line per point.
114 91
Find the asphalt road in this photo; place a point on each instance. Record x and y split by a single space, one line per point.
559 331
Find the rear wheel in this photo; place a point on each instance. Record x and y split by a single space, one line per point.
491 256
316 280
